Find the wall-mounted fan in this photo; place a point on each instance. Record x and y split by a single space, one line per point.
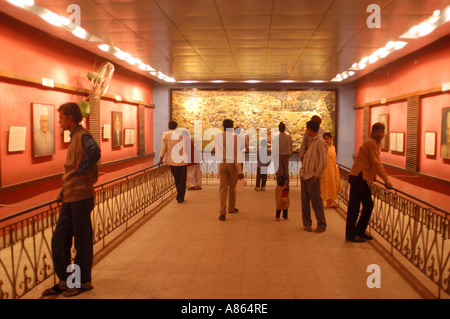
100 81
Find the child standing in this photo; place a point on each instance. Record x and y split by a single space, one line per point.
282 197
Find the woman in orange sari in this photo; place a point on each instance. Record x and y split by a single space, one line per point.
331 179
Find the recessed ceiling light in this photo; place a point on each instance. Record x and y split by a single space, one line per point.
217 81
252 81
317 81
287 81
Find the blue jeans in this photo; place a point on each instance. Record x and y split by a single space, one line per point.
74 221
310 192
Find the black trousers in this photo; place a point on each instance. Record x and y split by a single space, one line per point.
74 221
261 176
359 194
179 173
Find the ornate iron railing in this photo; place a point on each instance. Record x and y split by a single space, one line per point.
419 231
25 237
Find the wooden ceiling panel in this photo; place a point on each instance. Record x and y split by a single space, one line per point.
242 39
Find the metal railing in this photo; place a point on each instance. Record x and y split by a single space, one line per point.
419 231
25 237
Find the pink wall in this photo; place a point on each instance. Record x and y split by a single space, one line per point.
431 119
28 52
425 69
397 123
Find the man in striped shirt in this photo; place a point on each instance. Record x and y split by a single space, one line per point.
313 165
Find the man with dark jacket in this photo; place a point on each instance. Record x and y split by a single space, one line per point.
77 196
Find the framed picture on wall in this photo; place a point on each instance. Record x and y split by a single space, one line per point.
445 136
396 141
43 129
130 136
430 143
117 128
384 118
17 138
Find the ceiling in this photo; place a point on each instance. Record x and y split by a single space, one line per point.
239 40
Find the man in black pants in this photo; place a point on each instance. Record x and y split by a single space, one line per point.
172 147
364 171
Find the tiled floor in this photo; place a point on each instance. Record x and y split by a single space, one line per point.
184 251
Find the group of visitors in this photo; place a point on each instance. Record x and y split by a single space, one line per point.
319 183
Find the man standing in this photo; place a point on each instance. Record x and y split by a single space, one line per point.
77 196
172 147
314 163
230 170
307 140
284 148
364 171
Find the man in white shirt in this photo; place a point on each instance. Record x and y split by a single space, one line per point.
230 170
313 166
172 147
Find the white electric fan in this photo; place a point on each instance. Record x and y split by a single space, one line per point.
100 81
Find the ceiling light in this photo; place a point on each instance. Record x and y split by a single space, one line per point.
120 54
317 81
425 28
80 33
217 81
51 18
22 3
287 81
252 81
104 47
188 81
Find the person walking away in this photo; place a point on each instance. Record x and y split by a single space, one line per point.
313 165
366 167
230 170
194 172
284 149
77 196
172 147
330 184
262 165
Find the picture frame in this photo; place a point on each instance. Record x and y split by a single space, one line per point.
130 134
253 110
445 133
43 129
17 138
384 119
117 132
397 141
106 131
430 143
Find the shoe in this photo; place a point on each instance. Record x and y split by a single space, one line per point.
191 188
263 189
366 236
257 189
356 239
222 217
319 230
308 228
278 219
234 211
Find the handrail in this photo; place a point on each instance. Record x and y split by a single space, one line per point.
44 204
25 252
405 194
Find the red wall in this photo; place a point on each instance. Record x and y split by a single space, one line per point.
29 52
425 69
